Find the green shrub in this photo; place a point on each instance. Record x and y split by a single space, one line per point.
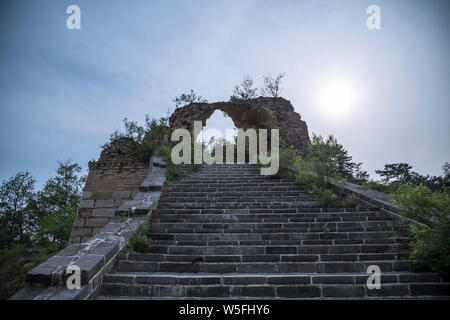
172 172
305 175
431 251
15 261
139 241
166 152
431 248
326 198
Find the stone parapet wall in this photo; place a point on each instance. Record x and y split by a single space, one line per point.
112 180
97 255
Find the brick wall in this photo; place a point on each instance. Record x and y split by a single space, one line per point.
112 180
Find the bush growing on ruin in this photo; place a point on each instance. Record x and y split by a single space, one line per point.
139 242
188 98
146 139
272 86
244 90
171 171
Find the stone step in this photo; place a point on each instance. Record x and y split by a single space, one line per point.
404 241
201 183
261 267
219 184
232 207
236 258
277 249
234 191
236 216
286 231
228 203
269 279
291 291
273 236
272 225
296 211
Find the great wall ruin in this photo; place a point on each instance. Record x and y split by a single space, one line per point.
225 231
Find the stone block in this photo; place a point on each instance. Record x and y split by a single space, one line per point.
87 195
80 232
78 223
84 212
285 280
96 222
63 293
389 290
121 195
104 212
298 291
89 265
71 250
86 204
343 291
104 203
106 249
430 289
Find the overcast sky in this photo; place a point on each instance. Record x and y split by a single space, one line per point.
62 92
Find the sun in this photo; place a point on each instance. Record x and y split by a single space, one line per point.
337 98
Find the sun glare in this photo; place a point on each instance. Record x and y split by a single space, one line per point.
337 98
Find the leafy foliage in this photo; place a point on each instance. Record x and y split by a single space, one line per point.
17 220
171 171
431 249
272 86
400 171
146 138
244 90
188 98
35 224
16 260
395 174
139 241
327 198
325 159
57 203
331 159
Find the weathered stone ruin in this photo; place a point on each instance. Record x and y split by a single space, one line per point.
248 114
116 176
112 180
226 231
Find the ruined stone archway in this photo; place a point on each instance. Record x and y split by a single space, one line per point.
246 114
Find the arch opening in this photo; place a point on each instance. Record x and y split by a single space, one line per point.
219 126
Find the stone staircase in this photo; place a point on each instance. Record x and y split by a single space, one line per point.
226 232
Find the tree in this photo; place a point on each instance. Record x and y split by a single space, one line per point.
272 85
331 159
17 219
187 98
395 171
360 176
57 203
322 153
244 90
